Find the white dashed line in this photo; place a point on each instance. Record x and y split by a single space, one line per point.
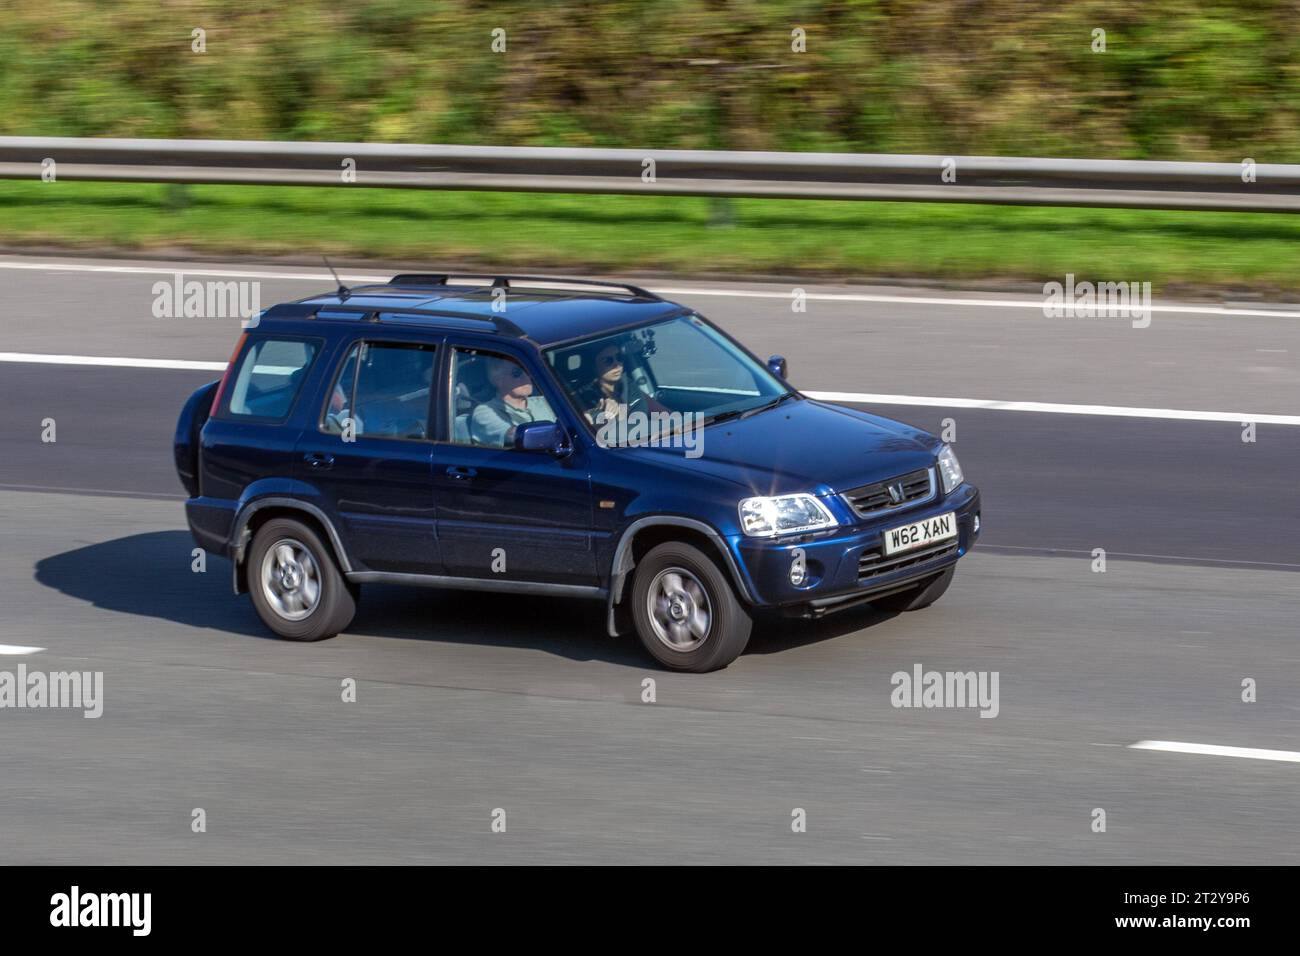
43 359
1214 750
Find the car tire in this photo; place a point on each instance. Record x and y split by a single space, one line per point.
923 595
295 583
685 610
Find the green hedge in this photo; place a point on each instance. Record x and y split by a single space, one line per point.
1180 79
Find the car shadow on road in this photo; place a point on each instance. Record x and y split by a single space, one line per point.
151 576
566 627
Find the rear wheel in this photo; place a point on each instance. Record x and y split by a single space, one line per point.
295 585
686 613
923 595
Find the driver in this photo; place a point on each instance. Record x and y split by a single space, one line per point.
493 422
610 390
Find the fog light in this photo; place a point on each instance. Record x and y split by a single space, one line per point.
977 524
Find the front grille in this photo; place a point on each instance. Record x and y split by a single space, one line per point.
872 563
875 498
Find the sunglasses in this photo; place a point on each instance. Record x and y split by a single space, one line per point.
609 361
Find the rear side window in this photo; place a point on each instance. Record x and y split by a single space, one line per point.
268 379
383 390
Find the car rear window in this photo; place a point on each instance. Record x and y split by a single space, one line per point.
268 379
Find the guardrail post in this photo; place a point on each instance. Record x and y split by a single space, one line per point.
176 196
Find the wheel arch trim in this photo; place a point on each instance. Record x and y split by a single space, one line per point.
622 561
239 531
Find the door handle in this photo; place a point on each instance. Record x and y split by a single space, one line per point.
319 461
457 473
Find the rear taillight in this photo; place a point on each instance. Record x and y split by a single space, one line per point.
230 367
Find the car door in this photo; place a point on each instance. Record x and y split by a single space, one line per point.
503 513
370 451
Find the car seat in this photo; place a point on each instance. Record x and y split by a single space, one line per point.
472 389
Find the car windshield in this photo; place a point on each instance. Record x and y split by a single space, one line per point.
679 369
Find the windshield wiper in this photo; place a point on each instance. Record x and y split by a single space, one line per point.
772 404
746 412
724 416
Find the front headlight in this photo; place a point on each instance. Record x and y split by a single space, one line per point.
949 469
785 514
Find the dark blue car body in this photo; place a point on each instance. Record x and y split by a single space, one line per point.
431 511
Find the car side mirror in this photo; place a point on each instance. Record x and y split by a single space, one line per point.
777 366
549 437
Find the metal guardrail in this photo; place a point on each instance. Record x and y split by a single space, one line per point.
1233 187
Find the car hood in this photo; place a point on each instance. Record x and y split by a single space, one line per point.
801 445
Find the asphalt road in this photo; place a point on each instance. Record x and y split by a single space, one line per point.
521 704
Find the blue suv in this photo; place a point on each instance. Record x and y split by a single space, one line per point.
553 436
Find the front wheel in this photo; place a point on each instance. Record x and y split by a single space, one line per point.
295 585
923 595
686 613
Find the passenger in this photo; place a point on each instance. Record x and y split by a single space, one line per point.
493 422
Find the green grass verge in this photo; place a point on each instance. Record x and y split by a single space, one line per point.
1172 250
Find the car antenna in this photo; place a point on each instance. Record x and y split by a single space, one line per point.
344 291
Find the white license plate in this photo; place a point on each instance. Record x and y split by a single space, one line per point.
919 534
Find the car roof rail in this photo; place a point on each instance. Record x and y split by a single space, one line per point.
370 314
435 280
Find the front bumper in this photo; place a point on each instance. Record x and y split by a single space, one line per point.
847 565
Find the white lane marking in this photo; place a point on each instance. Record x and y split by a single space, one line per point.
43 359
1214 750
863 398
324 278
1054 408
1037 304
15 649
